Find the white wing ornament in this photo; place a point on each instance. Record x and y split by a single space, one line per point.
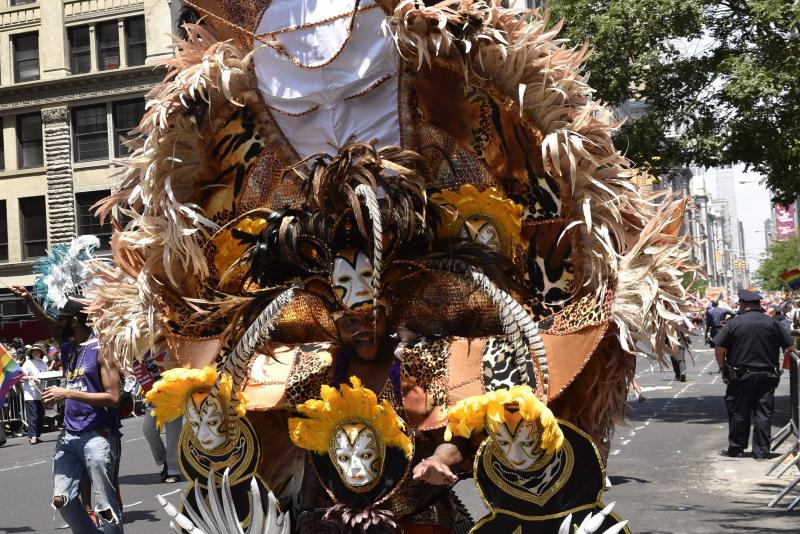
218 515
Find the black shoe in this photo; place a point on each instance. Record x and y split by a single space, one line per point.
732 453
164 473
172 479
683 378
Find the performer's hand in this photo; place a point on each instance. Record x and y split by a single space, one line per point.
434 472
54 394
22 293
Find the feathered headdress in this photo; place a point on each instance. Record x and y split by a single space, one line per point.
66 271
336 405
492 409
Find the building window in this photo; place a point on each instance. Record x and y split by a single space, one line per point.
29 141
90 133
3 232
34 227
136 43
107 45
80 50
88 222
127 115
2 149
21 2
11 307
26 57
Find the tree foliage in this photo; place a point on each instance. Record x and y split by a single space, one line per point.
781 256
721 80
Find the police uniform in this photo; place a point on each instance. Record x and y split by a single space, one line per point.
753 342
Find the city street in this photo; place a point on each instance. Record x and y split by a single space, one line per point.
665 465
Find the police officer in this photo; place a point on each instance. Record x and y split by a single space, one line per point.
747 352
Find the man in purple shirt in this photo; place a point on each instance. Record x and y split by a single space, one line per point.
89 444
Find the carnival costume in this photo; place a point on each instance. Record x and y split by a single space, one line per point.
440 167
531 470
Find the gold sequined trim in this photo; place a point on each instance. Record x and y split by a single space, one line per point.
374 85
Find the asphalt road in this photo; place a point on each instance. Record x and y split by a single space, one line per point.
665 465
667 472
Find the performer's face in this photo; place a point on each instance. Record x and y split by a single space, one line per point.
357 454
362 333
207 422
520 446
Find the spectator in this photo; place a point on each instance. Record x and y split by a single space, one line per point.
54 359
34 409
781 317
715 317
149 372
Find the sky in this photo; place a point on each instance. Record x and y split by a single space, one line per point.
753 207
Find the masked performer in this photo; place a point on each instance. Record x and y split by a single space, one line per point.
422 196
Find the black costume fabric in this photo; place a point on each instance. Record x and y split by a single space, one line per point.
241 457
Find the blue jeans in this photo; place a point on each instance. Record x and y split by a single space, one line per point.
87 453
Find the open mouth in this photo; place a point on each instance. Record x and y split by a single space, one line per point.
364 339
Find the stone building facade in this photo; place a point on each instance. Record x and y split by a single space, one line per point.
73 75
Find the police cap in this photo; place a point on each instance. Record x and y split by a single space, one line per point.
746 295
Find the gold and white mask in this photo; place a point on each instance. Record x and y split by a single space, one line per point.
358 452
353 279
520 444
481 230
206 420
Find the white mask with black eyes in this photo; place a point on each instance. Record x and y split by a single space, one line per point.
357 455
352 279
521 446
207 423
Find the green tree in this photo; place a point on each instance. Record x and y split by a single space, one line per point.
721 80
781 256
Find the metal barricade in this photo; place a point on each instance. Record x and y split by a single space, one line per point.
791 431
13 410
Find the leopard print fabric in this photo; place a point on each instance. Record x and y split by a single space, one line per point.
311 370
586 311
424 363
498 367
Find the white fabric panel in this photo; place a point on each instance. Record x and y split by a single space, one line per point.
321 94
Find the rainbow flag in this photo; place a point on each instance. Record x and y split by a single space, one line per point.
12 373
792 278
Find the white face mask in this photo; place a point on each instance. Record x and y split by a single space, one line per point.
207 423
352 279
357 455
521 447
